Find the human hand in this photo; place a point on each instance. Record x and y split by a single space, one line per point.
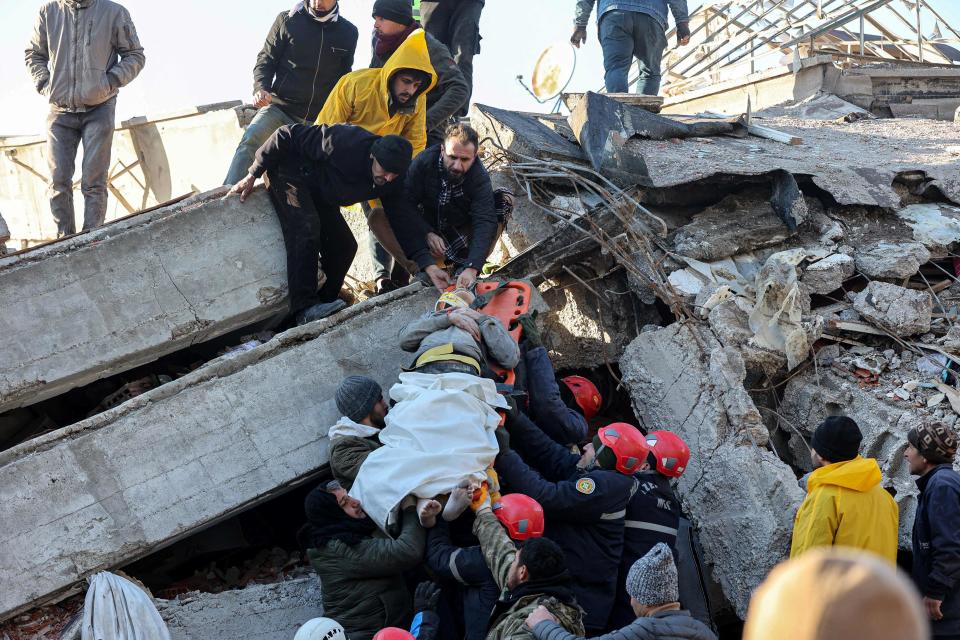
439 277
537 616
467 278
438 248
465 322
481 499
579 36
426 597
262 98
244 187
683 33
933 608
531 333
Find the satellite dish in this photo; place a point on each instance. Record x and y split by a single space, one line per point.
553 71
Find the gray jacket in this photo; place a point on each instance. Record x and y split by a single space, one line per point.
434 329
82 52
666 625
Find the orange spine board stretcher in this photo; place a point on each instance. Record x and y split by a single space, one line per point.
508 303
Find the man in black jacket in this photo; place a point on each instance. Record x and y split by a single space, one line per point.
936 527
452 191
307 50
311 172
455 23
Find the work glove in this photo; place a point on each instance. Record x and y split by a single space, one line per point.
531 333
683 33
493 488
503 439
481 498
426 597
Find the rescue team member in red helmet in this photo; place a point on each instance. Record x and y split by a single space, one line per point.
653 513
464 570
561 408
426 622
585 499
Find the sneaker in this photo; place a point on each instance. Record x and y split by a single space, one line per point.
320 310
386 285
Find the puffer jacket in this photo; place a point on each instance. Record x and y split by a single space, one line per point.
666 625
434 329
363 585
82 52
936 545
846 507
363 97
350 444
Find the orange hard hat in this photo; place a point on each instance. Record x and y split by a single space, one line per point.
521 515
671 452
627 443
585 394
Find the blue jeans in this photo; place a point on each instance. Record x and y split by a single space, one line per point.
268 119
625 35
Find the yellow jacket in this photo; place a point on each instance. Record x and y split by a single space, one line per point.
362 97
846 507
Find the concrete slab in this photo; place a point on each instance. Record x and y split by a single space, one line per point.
523 133
186 455
127 293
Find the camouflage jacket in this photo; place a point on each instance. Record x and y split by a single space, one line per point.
499 551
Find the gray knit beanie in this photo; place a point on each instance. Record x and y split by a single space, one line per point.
653 578
356 396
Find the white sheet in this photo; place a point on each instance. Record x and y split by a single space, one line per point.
440 431
117 609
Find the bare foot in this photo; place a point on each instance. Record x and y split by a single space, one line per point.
459 500
428 510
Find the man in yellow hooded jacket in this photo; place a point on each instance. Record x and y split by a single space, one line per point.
845 504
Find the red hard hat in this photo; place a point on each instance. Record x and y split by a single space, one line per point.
585 394
627 444
394 633
671 451
521 515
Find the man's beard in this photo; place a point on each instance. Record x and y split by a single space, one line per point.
455 178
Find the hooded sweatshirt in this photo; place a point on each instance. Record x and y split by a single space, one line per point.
363 97
350 444
846 507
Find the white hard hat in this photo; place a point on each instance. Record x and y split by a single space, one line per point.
320 629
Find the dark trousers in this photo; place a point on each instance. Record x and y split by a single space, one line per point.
65 132
384 264
311 228
625 35
455 23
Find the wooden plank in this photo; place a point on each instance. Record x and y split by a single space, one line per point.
858 327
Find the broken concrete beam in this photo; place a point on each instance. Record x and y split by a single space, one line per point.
257 612
733 225
740 497
891 260
125 294
903 312
188 454
653 104
522 133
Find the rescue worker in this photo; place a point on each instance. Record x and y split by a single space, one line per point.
312 172
320 629
426 622
466 570
308 49
653 513
360 401
533 575
584 498
456 23
360 568
936 526
652 583
845 504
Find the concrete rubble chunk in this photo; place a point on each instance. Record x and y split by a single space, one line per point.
903 312
787 199
522 133
828 274
776 315
739 496
4 230
891 260
936 226
733 225
160 466
258 612
134 290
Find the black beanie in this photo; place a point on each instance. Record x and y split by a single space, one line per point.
837 439
393 153
399 11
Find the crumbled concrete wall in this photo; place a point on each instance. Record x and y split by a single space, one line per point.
258 612
165 464
130 292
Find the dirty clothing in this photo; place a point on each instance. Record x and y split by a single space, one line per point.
80 54
465 568
936 545
312 172
675 625
584 511
513 607
547 408
350 444
456 23
451 91
363 585
363 97
65 131
434 329
463 215
846 506
653 516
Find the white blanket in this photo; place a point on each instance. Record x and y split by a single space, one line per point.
439 432
117 609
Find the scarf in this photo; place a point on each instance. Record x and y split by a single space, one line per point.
347 427
326 521
329 16
384 46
